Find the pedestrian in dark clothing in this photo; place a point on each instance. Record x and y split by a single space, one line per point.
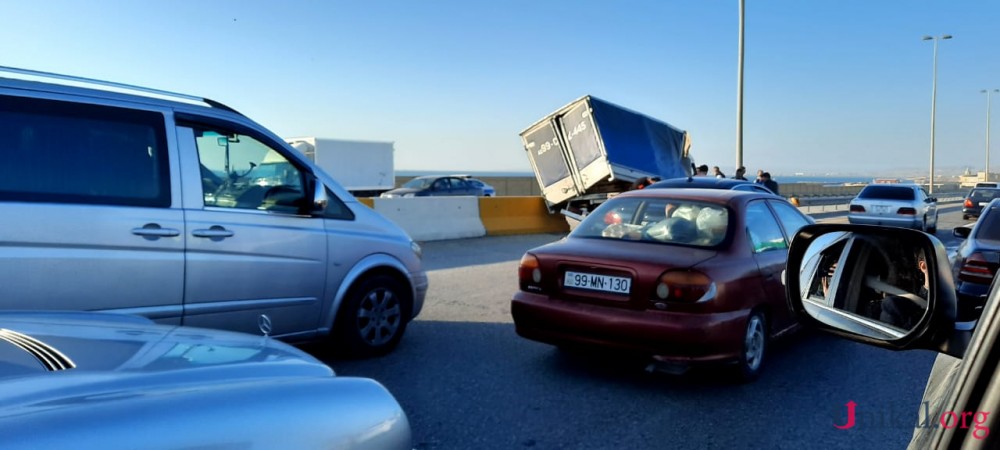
718 173
740 174
769 183
702 171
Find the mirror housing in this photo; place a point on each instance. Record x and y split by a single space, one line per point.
935 328
319 198
962 232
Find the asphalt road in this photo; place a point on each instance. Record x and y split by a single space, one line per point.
467 381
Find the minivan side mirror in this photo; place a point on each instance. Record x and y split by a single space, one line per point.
319 197
962 232
884 286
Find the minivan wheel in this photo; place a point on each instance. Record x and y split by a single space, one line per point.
372 318
754 347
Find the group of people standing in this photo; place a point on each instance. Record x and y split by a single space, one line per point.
763 178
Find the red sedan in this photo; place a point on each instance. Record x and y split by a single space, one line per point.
685 276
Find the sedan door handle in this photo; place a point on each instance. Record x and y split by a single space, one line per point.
155 230
214 231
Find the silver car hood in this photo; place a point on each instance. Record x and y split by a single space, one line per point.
136 384
115 353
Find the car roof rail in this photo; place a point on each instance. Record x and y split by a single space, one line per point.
122 86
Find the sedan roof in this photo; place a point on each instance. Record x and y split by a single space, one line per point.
699 182
727 196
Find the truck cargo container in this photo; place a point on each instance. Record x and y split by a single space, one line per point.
365 168
590 149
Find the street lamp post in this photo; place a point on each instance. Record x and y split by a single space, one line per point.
739 94
934 102
987 91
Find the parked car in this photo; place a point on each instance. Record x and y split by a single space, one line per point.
434 186
710 183
681 275
898 205
959 401
488 191
115 381
150 203
975 262
976 199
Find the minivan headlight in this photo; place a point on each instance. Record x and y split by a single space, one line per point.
416 249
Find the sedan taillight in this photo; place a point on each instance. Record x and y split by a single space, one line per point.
968 203
685 286
529 274
907 211
857 208
976 269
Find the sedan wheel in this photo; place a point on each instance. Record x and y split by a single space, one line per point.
754 347
372 319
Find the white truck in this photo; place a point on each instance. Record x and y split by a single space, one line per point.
365 168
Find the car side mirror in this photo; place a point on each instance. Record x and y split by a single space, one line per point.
887 287
962 232
319 198
931 199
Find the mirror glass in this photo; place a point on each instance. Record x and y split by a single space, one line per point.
873 284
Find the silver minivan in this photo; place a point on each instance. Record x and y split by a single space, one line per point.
178 208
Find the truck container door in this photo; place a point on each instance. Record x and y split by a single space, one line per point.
549 161
585 150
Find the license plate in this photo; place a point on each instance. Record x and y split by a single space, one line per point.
881 209
604 283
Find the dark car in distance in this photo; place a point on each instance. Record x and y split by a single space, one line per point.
434 186
710 183
685 276
976 200
976 261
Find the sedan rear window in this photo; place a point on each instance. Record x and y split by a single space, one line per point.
887 193
659 220
983 195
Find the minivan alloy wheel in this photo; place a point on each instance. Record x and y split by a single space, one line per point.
379 316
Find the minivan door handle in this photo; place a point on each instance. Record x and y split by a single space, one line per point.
155 230
215 231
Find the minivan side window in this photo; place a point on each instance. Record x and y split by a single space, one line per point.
238 171
60 152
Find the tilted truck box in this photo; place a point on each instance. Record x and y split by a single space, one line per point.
592 147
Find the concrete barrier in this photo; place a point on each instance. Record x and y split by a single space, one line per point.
438 218
519 215
434 218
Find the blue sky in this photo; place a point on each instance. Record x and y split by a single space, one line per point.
830 86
